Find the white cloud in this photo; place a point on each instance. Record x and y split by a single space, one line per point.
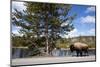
76 33
88 19
18 5
17 27
73 33
91 31
65 23
90 9
15 30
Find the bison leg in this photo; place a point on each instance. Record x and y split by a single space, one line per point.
77 52
81 53
86 52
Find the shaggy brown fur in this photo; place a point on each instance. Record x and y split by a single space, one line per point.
79 48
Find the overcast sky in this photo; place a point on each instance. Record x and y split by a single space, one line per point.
84 23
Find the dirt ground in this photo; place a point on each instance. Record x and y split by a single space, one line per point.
47 60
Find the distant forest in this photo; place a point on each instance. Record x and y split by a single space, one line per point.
19 41
89 40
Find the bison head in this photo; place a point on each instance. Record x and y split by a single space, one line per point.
71 47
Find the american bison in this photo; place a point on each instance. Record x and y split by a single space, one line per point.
80 48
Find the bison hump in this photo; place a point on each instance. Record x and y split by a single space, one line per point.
80 45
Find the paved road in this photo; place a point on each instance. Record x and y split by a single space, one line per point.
43 60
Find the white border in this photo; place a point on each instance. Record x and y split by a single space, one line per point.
5 33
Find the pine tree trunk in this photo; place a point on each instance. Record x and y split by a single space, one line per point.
46 34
